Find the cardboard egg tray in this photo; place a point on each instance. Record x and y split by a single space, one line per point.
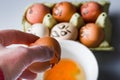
103 21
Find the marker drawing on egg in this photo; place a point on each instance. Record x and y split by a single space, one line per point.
55 34
58 12
64 31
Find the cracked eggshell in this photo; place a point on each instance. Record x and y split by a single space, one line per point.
38 30
64 31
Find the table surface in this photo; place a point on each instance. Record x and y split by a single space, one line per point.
108 61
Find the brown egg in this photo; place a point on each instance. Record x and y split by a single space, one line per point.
52 43
63 11
36 13
91 35
90 11
39 66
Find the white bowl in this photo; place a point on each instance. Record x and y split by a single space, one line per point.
79 53
82 55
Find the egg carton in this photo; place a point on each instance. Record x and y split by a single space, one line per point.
49 22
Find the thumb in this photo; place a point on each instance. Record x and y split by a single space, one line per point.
21 58
40 53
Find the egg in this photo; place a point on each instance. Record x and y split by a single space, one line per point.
90 11
52 43
36 13
38 67
39 30
91 35
66 69
64 31
63 11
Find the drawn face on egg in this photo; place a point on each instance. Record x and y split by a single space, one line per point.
64 31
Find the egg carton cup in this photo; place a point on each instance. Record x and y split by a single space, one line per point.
103 21
48 20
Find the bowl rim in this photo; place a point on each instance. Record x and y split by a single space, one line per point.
73 43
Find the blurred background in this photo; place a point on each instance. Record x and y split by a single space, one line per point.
11 12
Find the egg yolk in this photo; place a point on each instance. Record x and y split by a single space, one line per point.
66 69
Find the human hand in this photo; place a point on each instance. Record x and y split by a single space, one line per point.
14 61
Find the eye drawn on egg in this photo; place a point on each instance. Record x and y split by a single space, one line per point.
55 34
61 27
68 29
63 33
64 30
64 27
61 30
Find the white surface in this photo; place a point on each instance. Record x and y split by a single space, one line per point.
82 55
11 11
